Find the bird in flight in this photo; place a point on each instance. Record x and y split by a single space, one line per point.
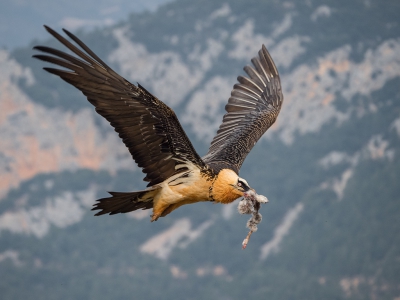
175 173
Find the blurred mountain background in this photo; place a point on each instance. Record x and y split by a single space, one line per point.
330 166
21 20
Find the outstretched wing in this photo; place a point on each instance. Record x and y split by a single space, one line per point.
253 107
147 126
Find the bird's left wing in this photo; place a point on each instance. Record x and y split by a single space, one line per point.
147 126
253 107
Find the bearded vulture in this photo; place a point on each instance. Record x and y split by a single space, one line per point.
175 173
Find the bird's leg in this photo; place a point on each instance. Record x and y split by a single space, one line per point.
154 217
158 208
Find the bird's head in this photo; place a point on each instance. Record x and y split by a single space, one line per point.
229 186
242 186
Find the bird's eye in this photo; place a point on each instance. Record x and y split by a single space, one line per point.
239 184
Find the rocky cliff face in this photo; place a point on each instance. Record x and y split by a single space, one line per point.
37 140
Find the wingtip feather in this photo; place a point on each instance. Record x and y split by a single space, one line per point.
269 60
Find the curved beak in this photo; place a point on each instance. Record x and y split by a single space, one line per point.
250 191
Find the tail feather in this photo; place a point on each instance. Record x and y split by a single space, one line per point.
125 202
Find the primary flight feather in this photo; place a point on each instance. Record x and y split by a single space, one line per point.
175 173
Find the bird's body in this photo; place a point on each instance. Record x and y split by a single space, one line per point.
177 175
200 186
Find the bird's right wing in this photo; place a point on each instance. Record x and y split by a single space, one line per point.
253 107
147 126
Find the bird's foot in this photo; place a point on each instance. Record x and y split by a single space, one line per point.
154 217
246 240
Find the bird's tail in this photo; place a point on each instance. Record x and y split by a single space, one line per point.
125 202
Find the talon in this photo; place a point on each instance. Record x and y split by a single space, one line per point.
154 217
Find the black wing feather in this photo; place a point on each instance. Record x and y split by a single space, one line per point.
147 126
253 107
